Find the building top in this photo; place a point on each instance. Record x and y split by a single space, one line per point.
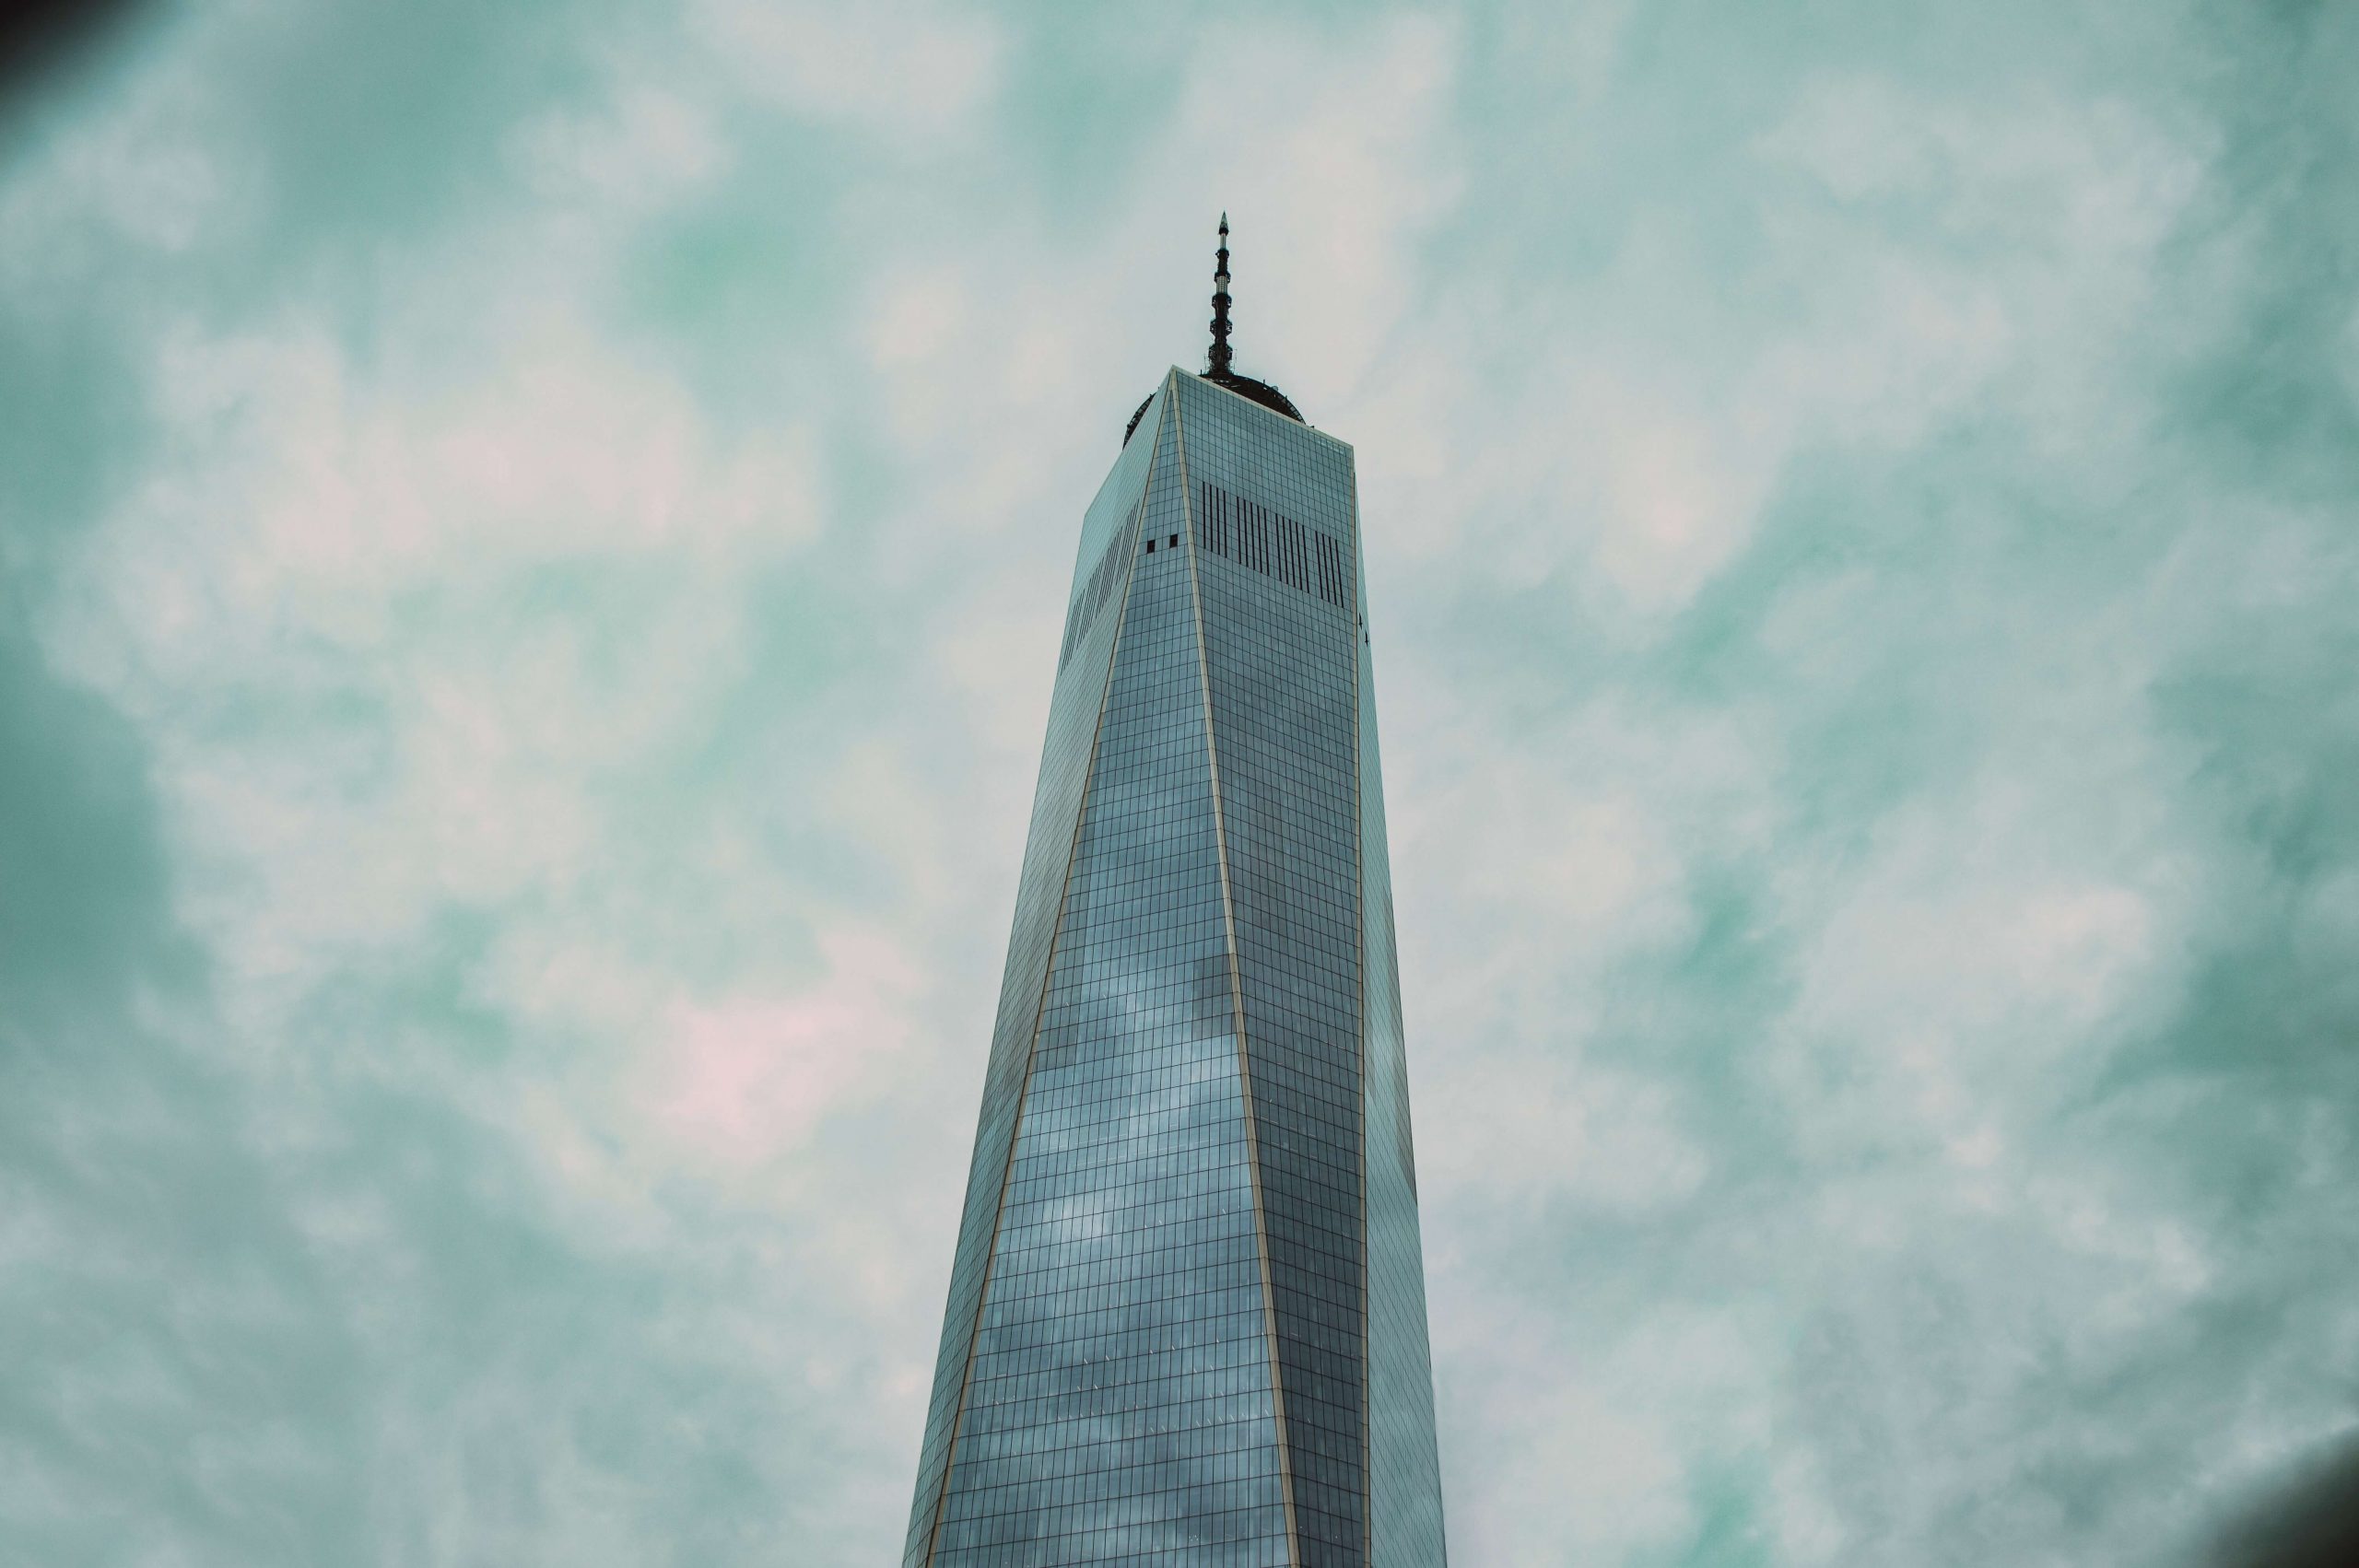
1219 364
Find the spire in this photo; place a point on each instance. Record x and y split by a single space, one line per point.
1218 363
1219 367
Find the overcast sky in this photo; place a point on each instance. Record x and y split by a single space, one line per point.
533 544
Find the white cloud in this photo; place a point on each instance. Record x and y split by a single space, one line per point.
332 546
1332 163
653 144
149 180
903 70
748 1075
593 752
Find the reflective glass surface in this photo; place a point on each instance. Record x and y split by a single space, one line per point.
1186 1322
1283 666
1405 1468
1118 1405
1074 713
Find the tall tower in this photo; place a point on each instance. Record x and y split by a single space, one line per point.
1187 1318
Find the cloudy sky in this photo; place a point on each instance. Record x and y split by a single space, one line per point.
532 551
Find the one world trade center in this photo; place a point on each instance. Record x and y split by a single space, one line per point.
1187 1315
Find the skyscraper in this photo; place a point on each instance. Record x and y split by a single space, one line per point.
1187 1318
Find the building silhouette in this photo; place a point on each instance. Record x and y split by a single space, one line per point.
1187 1318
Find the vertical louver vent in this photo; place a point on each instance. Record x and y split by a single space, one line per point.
1275 545
1093 597
1332 582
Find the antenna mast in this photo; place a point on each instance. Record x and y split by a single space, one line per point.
1219 362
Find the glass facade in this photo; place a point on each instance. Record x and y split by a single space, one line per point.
1187 1319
